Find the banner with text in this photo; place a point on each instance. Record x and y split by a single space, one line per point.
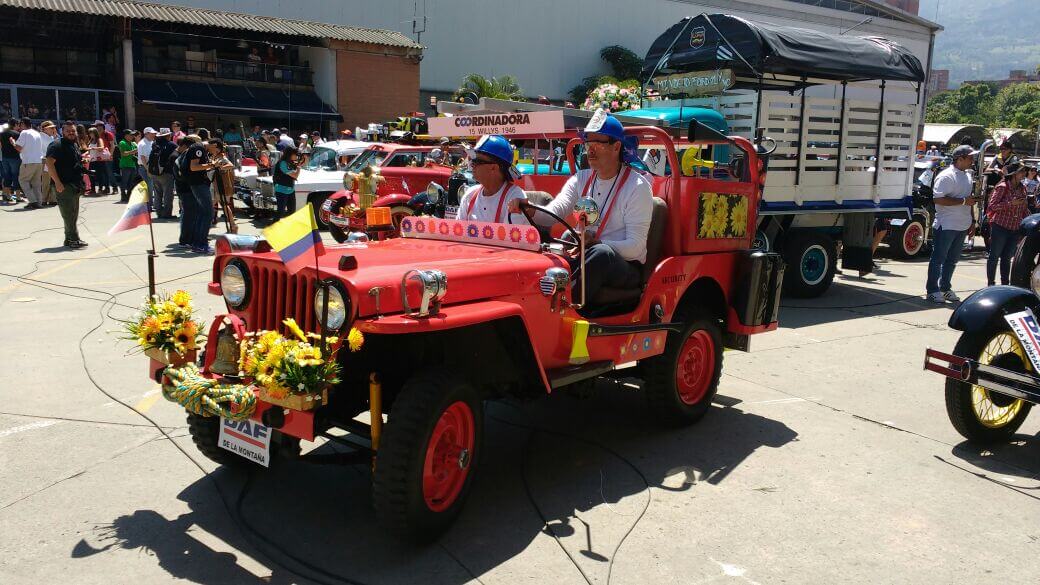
503 124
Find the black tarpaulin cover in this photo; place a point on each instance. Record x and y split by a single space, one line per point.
771 49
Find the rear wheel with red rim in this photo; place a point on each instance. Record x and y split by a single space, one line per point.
425 463
681 382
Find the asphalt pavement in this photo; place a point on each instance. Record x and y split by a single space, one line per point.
827 458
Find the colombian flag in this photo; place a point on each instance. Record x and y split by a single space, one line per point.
296 239
136 212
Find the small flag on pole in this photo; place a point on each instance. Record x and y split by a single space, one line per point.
296 239
136 213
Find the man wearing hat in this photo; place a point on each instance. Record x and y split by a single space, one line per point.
49 134
491 161
616 243
144 150
953 205
1005 211
994 171
161 175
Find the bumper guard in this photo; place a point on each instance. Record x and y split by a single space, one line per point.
1004 381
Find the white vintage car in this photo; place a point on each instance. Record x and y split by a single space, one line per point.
319 178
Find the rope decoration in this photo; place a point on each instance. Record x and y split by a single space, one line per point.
206 397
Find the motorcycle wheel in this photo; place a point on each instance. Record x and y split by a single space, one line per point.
1024 264
978 414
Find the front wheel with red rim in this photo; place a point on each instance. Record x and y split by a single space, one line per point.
681 382
425 463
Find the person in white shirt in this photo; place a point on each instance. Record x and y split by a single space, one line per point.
144 150
30 175
488 201
953 205
49 133
616 243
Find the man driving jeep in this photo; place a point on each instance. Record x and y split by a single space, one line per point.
616 243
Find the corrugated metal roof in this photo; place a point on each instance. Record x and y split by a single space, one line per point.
220 19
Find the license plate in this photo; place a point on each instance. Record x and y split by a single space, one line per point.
451 212
1024 325
246 438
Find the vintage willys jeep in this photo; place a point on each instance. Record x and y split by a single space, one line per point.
456 313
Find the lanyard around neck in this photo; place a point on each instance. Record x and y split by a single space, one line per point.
501 199
609 200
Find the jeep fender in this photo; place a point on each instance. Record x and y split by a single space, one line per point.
344 194
469 315
988 306
392 200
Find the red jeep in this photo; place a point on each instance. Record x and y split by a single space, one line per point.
405 172
456 313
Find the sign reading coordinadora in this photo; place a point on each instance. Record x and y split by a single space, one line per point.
498 123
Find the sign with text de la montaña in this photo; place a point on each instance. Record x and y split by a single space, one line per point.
695 83
504 124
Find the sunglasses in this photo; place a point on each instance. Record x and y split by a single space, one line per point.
481 161
607 141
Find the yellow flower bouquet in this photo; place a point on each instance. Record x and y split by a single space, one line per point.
283 367
166 328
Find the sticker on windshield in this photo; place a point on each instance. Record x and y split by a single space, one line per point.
1024 325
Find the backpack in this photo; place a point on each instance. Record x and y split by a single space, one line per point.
159 158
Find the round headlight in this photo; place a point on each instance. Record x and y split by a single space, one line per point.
234 284
337 315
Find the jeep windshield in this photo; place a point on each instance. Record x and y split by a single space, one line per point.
369 157
322 159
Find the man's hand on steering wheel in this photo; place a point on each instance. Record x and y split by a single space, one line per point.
527 208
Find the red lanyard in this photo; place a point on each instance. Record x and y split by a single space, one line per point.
610 206
501 199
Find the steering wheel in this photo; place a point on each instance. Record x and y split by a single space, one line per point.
544 232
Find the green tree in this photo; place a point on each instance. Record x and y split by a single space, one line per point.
1017 106
969 104
625 66
503 88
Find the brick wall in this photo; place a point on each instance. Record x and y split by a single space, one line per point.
374 84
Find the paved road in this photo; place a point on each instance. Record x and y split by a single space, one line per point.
827 458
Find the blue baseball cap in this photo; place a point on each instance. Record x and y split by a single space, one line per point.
496 147
607 125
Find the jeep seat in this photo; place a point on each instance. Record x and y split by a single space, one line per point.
607 298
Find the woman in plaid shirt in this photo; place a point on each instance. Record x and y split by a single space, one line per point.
1006 209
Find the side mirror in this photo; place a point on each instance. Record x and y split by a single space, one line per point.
587 207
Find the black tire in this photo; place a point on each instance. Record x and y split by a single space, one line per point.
918 232
398 493
1025 261
959 395
664 395
205 432
812 260
316 200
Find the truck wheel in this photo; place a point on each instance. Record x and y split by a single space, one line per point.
681 382
205 432
812 261
908 240
425 463
981 415
1024 265
397 213
316 200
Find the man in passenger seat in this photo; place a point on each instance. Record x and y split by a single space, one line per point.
616 244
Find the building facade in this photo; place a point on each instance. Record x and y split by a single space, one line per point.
938 81
147 64
550 46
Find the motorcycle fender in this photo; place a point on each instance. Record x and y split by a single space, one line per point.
344 194
1030 226
987 307
392 200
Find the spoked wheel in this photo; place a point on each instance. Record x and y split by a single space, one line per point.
979 414
681 382
425 464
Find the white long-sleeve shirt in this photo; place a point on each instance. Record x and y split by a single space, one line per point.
629 222
475 205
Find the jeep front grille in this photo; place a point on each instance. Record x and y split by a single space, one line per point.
276 295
